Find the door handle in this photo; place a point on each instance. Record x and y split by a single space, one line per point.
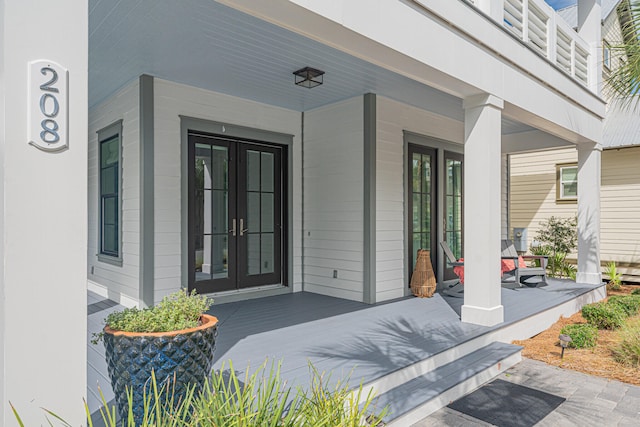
242 229
233 227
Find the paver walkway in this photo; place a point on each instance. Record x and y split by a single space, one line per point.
591 401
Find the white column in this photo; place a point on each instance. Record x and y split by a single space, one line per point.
590 29
589 167
482 216
43 225
493 8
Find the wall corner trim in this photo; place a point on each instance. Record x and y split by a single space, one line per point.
147 193
369 220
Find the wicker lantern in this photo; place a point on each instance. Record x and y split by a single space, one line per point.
423 281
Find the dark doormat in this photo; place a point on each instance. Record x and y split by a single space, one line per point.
505 404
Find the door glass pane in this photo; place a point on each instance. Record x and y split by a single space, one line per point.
417 169
219 168
253 170
219 205
253 213
266 169
267 251
203 167
417 213
453 206
267 212
211 211
203 257
253 254
426 214
426 174
219 250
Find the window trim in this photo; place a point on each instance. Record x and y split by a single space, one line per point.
105 134
560 198
606 58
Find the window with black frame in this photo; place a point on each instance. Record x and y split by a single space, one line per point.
109 141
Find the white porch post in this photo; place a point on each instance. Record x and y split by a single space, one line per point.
589 167
43 200
590 29
482 215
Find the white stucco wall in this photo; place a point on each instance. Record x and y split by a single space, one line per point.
43 226
119 283
333 199
171 101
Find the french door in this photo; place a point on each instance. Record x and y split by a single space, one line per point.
422 203
236 215
425 195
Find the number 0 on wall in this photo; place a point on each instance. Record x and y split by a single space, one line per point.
48 105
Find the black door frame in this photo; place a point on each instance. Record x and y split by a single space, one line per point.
234 281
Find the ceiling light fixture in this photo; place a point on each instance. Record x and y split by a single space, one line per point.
308 77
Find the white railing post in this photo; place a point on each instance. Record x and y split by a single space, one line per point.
525 20
493 8
552 47
573 58
590 30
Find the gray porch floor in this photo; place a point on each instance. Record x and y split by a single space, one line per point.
339 336
356 339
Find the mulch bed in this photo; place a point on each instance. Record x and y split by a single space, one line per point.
593 361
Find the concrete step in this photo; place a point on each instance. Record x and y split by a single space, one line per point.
417 398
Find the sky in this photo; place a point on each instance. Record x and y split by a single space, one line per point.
559 4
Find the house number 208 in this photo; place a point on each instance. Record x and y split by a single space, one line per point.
50 107
48 88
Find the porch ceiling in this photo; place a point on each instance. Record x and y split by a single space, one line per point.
198 43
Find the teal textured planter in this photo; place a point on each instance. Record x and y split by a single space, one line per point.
185 355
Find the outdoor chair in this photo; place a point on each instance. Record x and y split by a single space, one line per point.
455 289
519 276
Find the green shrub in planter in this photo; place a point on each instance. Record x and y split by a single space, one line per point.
603 315
629 303
627 351
582 335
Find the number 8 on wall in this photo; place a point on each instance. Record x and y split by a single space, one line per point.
48 105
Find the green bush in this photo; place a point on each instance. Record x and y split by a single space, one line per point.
177 311
262 398
603 315
627 351
615 278
635 291
582 335
629 303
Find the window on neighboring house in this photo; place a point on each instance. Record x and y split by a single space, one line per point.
109 145
567 182
606 55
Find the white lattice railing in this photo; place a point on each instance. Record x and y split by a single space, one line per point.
538 25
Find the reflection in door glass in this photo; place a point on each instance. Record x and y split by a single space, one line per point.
421 203
211 212
260 212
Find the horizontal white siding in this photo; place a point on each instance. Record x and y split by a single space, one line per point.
392 119
334 199
173 99
122 282
533 199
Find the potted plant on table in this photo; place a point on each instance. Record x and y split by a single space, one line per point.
173 341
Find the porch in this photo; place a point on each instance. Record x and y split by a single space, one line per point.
395 347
